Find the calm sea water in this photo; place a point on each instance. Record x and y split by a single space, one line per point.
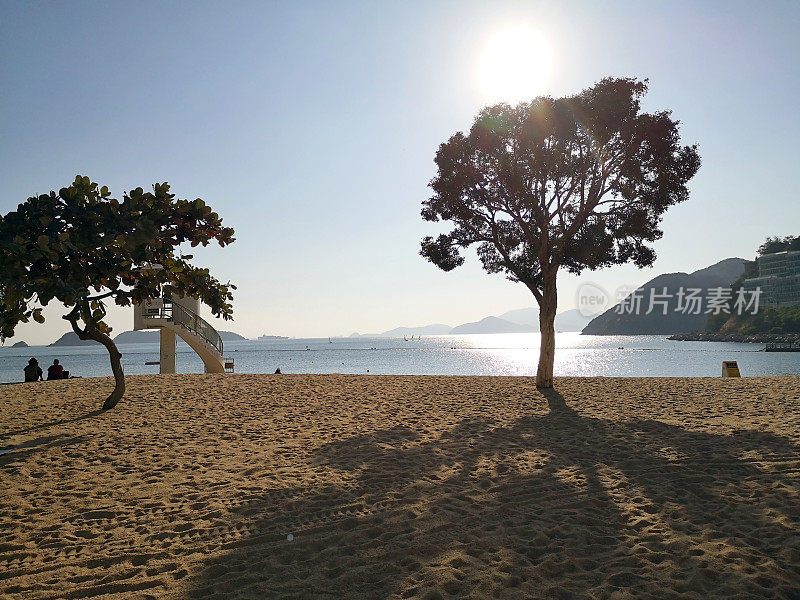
507 354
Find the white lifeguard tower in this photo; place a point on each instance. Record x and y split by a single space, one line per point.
177 316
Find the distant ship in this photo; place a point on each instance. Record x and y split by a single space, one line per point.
273 337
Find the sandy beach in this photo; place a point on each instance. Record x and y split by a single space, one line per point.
349 486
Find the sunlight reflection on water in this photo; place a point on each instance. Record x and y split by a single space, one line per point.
507 354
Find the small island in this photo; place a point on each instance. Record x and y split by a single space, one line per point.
20 344
71 339
152 337
131 337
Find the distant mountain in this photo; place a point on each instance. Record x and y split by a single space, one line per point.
231 336
20 344
71 339
435 329
569 320
522 316
492 325
138 337
151 336
523 320
721 274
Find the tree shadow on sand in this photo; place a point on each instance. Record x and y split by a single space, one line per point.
47 425
22 452
553 506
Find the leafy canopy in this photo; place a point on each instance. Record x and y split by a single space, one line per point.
773 245
579 182
82 247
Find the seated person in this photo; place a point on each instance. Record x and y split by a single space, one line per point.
33 372
55 371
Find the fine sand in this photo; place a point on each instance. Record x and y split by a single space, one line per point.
351 486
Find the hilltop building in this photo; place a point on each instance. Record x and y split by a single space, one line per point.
778 277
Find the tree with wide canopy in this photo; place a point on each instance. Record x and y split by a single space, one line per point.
579 182
83 248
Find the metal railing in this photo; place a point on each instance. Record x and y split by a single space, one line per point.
197 325
188 320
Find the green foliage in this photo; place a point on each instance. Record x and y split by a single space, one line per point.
781 319
716 322
81 247
772 245
579 182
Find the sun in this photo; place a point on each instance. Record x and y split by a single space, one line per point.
515 64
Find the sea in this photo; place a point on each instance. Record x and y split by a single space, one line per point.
486 354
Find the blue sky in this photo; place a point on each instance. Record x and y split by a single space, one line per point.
311 128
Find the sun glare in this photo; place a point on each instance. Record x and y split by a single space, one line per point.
515 64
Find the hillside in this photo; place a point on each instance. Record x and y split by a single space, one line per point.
721 274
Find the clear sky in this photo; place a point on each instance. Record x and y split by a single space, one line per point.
311 128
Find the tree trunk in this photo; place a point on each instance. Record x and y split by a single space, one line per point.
547 315
92 333
115 356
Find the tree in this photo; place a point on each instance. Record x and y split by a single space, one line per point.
773 245
84 248
578 183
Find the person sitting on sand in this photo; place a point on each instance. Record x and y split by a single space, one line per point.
33 372
55 371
